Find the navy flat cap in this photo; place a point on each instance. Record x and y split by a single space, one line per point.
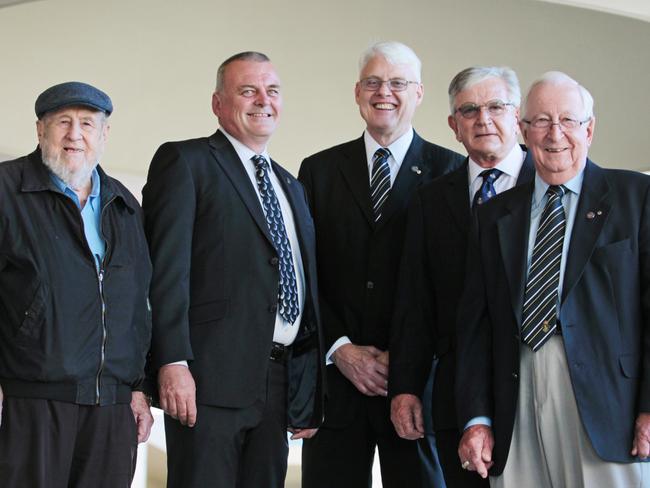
72 93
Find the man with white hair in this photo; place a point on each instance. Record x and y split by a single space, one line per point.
358 192
75 323
554 324
484 106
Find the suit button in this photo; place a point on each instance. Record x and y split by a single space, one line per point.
370 285
515 375
273 308
274 261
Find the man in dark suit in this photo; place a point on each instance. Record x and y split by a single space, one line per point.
358 193
235 333
554 329
484 104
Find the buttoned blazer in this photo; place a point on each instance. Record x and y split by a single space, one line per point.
358 258
604 313
430 287
216 275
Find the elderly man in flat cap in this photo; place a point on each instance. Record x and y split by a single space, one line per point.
74 316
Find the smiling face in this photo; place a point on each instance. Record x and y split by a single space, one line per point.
388 114
488 139
249 103
72 142
559 153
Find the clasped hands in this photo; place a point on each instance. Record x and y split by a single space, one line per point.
365 366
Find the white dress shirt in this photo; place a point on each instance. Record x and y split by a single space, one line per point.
510 166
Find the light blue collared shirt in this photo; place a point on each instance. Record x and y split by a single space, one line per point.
90 214
570 204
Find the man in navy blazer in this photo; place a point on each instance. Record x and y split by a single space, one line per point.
567 401
235 365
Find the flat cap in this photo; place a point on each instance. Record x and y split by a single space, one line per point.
72 93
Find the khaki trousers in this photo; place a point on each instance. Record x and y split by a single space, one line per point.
549 446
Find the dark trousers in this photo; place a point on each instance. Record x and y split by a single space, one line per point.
447 441
431 470
233 447
50 444
343 457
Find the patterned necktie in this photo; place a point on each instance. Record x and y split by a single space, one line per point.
288 290
487 190
541 296
379 181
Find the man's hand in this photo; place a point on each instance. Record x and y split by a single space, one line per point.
406 415
302 433
365 366
142 414
641 444
177 393
475 448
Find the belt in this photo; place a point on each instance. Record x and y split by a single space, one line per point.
279 352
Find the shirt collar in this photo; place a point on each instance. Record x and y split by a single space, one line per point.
397 149
574 185
244 152
94 179
510 165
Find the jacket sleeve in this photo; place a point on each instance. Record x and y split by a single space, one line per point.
411 340
169 204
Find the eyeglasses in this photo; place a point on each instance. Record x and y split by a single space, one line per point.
394 84
565 123
494 107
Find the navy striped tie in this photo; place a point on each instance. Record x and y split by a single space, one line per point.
379 181
288 289
541 296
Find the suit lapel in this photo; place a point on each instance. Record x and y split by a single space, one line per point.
227 158
410 174
513 229
456 193
527 172
354 167
593 209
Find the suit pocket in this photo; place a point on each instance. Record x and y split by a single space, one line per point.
208 312
629 365
34 317
613 249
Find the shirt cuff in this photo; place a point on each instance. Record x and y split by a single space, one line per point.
181 363
341 341
479 421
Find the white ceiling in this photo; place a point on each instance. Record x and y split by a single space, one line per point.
637 9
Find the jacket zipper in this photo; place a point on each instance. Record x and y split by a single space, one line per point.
100 281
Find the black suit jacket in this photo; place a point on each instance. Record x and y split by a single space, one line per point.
604 311
433 276
215 284
358 259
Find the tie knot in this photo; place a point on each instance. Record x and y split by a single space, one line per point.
491 175
382 153
556 191
260 162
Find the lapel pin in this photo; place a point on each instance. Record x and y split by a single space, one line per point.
590 215
600 212
416 170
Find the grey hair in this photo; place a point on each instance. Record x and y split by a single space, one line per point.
395 53
476 74
560 78
244 56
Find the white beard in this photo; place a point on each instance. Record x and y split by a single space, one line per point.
74 179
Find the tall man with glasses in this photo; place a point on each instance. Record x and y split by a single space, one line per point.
235 317
359 192
554 324
484 104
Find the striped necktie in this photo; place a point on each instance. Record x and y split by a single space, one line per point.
379 181
288 290
541 295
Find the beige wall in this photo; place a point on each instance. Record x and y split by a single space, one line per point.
157 60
